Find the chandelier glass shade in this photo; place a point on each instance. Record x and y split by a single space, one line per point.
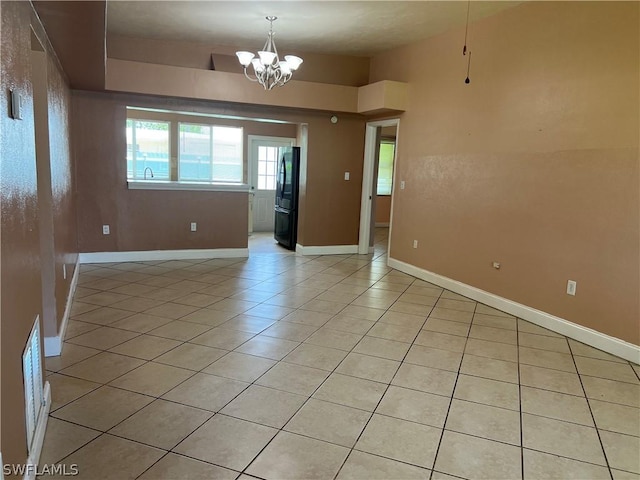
268 70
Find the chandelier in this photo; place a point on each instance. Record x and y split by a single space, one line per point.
268 70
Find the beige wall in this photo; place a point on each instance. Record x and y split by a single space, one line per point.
158 220
383 208
22 286
334 69
533 164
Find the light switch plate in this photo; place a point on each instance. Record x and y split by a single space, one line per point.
347 175
16 105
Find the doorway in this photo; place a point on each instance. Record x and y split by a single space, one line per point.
373 137
263 163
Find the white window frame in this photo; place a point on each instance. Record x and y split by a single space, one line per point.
174 119
134 143
211 153
386 141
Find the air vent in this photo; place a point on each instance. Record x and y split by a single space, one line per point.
33 391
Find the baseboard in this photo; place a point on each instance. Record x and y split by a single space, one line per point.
151 255
382 224
326 249
38 439
601 341
53 345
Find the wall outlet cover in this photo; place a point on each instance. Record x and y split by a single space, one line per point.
106 230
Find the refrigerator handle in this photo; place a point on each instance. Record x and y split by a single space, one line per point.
283 168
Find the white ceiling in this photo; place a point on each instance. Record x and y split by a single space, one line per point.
361 28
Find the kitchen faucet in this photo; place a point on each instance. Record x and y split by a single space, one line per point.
145 172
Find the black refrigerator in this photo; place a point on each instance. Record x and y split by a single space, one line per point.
287 187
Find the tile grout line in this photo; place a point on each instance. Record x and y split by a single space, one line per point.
274 365
316 389
520 416
245 389
328 267
388 385
593 418
453 392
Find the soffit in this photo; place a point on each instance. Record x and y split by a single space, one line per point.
77 32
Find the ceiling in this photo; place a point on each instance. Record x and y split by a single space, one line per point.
362 28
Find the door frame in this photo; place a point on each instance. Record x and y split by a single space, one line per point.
250 171
367 180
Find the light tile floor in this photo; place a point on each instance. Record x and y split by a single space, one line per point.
288 367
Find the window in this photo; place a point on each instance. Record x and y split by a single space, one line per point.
209 153
267 164
148 150
175 150
385 167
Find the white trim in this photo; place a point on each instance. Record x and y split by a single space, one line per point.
191 186
601 341
151 255
382 224
38 439
326 249
53 345
367 179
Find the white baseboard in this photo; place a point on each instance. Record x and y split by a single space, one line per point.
151 255
53 345
38 439
382 224
326 249
601 341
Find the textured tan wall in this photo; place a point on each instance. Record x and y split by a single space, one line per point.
20 292
534 164
65 233
157 220
77 30
22 285
383 208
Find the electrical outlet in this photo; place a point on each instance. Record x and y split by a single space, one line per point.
571 287
347 175
194 226
415 244
106 230
64 271
496 265
401 184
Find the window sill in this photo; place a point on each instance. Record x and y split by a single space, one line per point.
191 186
